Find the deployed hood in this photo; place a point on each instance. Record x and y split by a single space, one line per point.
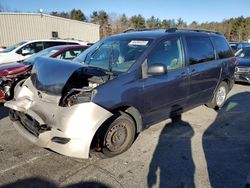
8 69
243 62
51 75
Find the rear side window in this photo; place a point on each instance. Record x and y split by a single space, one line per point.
53 43
222 48
70 54
200 49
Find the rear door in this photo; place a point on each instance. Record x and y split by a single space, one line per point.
204 70
165 93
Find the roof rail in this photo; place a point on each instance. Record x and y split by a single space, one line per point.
145 29
174 29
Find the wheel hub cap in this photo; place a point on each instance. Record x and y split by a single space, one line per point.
221 96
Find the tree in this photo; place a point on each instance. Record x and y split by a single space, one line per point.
60 14
124 22
137 22
194 25
181 23
77 15
153 22
102 19
165 24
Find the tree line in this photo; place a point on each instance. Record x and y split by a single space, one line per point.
235 29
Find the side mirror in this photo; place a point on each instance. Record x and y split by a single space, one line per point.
157 70
26 52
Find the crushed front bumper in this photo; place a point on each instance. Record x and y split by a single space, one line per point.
66 130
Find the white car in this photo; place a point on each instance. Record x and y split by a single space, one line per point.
23 50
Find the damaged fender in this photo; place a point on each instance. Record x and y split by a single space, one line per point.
76 124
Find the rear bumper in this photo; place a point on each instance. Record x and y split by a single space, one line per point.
69 130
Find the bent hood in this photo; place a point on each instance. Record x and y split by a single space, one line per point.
50 75
9 69
245 62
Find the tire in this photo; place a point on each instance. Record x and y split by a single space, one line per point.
219 97
118 135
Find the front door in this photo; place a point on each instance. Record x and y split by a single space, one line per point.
166 93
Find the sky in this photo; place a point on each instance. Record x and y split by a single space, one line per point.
188 10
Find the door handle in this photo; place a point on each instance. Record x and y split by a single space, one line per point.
193 70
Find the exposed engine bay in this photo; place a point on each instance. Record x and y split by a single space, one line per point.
81 86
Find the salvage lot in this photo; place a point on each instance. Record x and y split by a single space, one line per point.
207 148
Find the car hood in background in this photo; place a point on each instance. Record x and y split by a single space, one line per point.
8 69
244 62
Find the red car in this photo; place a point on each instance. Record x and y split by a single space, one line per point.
11 73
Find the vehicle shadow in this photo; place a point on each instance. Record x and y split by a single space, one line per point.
172 164
226 144
36 182
4 112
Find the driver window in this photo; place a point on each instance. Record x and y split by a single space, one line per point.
168 53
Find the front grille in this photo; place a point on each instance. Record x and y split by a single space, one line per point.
31 125
242 69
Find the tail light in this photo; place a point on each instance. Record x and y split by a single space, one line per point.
235 59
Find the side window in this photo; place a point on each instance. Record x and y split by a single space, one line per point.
200 49
222 48
70 54
168 53
31 48
38 46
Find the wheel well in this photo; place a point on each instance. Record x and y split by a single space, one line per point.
131 111
227 82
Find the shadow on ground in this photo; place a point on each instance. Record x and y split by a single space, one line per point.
226 144
42 183
172 160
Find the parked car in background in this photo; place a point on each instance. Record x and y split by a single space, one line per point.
242 70
11 73
238 45
120 86
24 49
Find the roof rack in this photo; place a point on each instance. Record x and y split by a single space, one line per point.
174 29
145 29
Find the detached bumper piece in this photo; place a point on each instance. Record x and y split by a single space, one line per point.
29 123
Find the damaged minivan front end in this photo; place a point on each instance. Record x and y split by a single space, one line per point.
53 108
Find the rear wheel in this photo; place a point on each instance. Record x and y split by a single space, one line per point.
118 135
219 96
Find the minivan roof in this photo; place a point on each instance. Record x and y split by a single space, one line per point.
158 33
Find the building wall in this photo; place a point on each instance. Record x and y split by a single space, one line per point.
15 27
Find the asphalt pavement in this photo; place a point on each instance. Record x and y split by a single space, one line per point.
205 149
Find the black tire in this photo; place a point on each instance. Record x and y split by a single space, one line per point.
219 97
118 135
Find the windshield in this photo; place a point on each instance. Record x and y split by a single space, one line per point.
244 53
44 53
116 55
13 47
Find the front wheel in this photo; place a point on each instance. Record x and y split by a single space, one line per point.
118 136
219 97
